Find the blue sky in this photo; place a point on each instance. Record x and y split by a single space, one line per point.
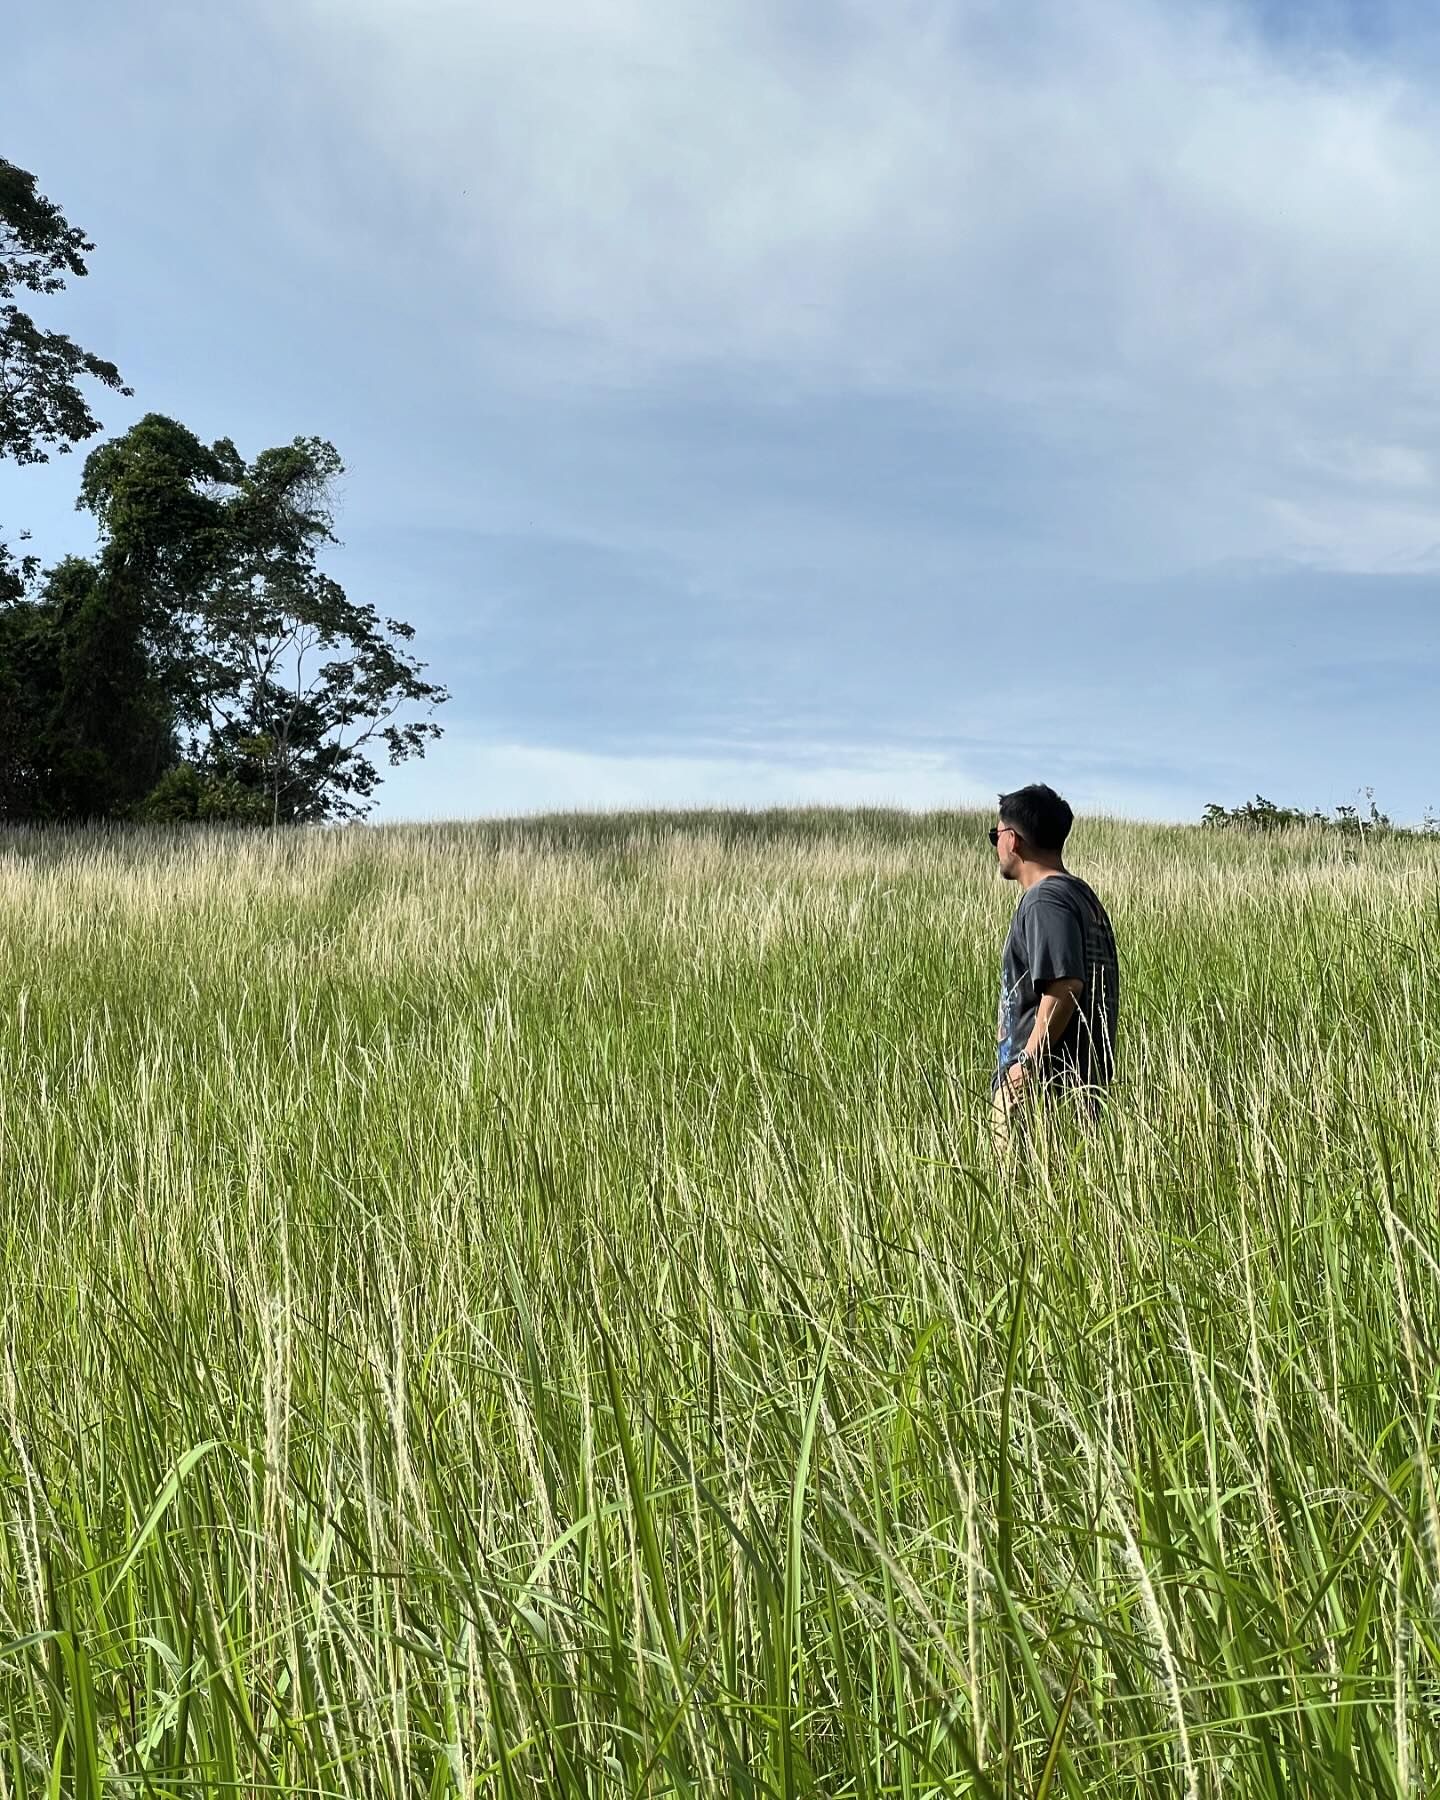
757 402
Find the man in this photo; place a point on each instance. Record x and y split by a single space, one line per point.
1059 977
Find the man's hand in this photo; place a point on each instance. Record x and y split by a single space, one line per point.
1058 1001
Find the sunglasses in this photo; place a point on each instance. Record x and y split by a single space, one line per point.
995 831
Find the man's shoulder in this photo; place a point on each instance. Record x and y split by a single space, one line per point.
1068 889
1059 889
1064 895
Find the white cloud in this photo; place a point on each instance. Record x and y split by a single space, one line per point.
478 778
483 779
1095 182
1390 466
1141 227
1356 535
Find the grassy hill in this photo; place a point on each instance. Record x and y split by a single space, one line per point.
532 1309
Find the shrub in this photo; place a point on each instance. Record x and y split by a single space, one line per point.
187 795
1261 814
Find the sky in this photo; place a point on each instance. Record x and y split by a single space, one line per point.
805 401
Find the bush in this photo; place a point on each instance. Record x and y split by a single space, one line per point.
187 795
1261 814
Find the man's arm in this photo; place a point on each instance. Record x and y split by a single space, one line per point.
1058 1000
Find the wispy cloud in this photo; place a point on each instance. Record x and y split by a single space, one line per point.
1043 191
480 778
1149 231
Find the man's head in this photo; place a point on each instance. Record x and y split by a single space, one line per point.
1032 826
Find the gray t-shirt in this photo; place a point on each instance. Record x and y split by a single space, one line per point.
1060 932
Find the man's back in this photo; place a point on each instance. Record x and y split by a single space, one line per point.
1062 932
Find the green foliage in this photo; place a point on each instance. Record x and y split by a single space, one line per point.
16 573
279 681
204 633
111 725
24 677
41 405
1261 814
187 795
87 729
192 633
81 728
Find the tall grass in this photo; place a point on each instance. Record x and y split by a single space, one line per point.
532 1310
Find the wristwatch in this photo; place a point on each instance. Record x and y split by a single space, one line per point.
1021 1059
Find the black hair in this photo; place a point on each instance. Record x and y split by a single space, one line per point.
1040 816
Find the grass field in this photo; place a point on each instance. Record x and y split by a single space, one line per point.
533 1310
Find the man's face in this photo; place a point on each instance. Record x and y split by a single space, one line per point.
1007 849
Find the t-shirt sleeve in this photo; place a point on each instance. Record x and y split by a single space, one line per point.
1054 941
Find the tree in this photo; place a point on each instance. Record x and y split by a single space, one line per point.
279 682
16 573
25 671
202 666
86 730
110 728
41 405
40 402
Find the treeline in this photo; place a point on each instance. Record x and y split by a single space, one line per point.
200 665
1261 814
